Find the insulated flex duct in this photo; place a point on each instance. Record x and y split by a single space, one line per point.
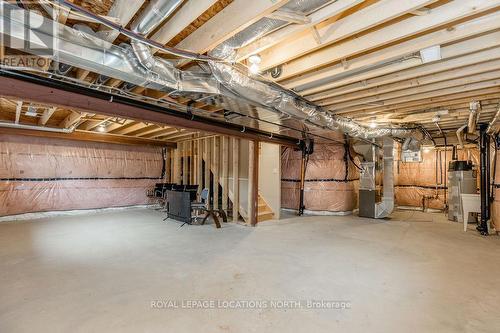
136 65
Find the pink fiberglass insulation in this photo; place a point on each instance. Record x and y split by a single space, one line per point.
43 174
416 182
330 182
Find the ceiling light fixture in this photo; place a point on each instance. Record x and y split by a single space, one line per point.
31 111
373 123
430 54
254 68
254 61
101 128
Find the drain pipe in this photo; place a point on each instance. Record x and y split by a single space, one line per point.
474 107
459 135
307 149
484 154
37 128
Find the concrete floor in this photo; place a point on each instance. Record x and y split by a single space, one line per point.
99 273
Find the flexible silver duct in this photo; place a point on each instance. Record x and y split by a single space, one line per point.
227 49
152 16
136 65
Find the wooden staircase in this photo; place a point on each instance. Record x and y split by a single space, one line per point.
264 212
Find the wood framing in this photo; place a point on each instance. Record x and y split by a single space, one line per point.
208 164
215 169
225 172
236 178
253 182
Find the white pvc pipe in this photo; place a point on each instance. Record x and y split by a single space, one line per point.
37 128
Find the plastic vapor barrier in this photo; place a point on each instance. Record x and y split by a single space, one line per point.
424 183
331 179
42 174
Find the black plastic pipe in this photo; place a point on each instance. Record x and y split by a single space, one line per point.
484 166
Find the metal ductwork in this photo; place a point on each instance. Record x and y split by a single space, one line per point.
153 15
136 65
227 50
368 205
474 107
386 206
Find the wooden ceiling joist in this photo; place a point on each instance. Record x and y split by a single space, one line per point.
364 19
450 63
346 50
90 136
235 17
281 35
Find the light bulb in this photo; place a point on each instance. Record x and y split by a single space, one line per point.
254 68
373 124
254 59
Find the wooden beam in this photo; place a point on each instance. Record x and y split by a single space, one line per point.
114 125
192 162
236 178
73 118
186 14
19 107
199 165
182 133
253 182
177 166
185 163
364 19
363 84
280 35
160 131
46 115
215 168
289 16
424 95
129 128
90 136
51 94
208 164
234 18
473 74
365 67
168 170
431 102
225 172
394 33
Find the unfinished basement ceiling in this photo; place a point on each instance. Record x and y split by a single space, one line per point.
382 63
